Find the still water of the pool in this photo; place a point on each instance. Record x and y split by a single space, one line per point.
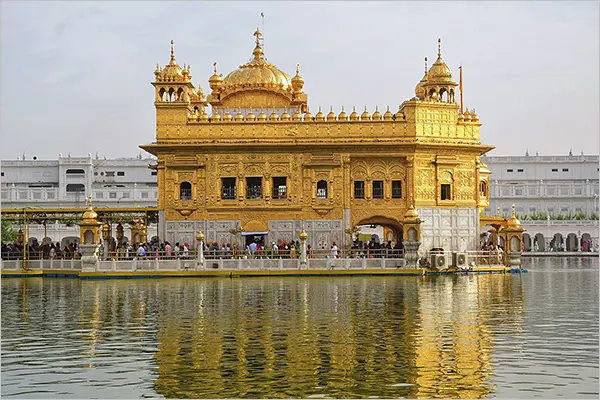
477 336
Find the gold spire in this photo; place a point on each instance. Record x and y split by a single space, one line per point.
439 48
425 66
258 51
297 68
172 50
215 67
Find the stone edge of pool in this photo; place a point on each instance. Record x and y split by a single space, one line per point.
245 273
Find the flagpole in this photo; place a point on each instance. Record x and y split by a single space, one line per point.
461 89
262 28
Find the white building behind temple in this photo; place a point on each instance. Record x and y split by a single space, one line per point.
556 185
66 182
555 197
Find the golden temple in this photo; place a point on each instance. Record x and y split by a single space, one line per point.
259 163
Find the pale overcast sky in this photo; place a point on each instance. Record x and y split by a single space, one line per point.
75 76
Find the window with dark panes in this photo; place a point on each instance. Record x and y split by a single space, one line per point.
396 189
228 188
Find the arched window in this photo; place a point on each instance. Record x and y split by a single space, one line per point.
322 189
483 188
185 191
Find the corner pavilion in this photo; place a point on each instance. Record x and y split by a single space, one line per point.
259 164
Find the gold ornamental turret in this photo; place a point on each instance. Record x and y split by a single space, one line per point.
89 227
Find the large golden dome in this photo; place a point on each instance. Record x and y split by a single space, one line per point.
257 73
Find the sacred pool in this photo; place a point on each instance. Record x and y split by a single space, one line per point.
453 336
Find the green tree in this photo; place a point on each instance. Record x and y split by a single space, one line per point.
8 233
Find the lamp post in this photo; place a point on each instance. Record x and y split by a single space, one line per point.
200 239
303 258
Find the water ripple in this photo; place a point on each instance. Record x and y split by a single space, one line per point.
474 336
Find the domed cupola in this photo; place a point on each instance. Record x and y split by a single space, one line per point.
257 84
216 80
420 88
297 81
438 84
172 72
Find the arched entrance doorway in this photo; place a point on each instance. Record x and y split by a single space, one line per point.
377 234
586 242
527 244
557 243
572 242
539 242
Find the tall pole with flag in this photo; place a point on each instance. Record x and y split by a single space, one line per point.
262 28
460 86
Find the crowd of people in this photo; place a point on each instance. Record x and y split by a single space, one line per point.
35 251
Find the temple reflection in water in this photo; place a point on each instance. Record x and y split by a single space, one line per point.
281 337
295 337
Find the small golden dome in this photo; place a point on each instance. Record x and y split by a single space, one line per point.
354 115
388 116
461 117
89 216
193 116
411 213
474 116
342 116
308 117
285 116
250 117
376 114
467 115
239 117
303 235
200 236
262 117
203 117
273 117
399 116
297 117
320 117
513 222
365 116
216 117
216 80
331 116
227 117
420 88
297 81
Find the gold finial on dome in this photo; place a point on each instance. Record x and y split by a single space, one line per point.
308 117
297 80
215 67
354 115
342 116
388 116
439 47
377 114
365 116
513 222
258 51
172 50
89 215
331 115
320 116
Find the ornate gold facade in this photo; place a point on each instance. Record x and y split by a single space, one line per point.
356 169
